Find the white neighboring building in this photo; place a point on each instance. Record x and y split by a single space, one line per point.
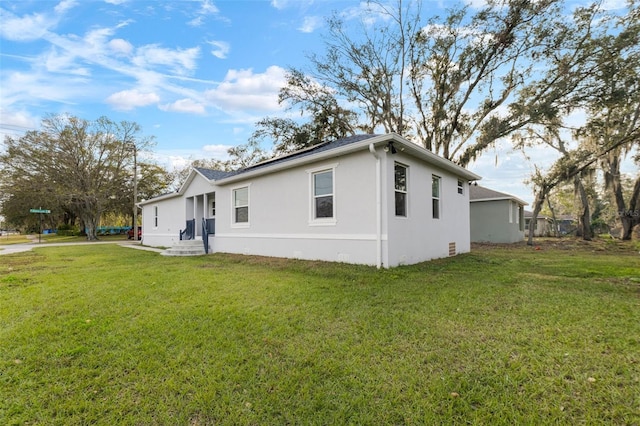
368 199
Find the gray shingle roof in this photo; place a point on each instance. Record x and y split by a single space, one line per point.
213 174
478 193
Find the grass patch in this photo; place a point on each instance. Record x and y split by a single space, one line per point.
55 238
502 335
8 239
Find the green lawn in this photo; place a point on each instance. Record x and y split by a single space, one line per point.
53 238
503 335
6 239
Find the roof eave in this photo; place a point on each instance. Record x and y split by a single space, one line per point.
516 199
443 163
158 198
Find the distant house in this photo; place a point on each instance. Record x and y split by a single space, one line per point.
496 217
547 227
369 199
543 226
566 224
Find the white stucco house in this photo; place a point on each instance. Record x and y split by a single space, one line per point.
368 199
496 217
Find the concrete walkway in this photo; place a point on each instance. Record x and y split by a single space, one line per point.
19 248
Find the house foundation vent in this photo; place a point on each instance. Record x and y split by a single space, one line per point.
452 249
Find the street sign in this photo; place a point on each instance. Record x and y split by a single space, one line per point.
40 211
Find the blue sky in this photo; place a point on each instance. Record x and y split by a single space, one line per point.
196 75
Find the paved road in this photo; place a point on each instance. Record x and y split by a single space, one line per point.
18 248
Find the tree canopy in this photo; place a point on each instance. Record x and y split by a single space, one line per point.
444 83
73 166
459 82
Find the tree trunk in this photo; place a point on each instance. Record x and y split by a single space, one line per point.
556 232
91 225
630 217
537 206
584 220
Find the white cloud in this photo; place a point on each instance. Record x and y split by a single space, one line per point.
174 159
242 89
310 24
30 88
505 170
182 61
184 105
369 13
120 47
34 26
15 124
65 5
63 63
207 8
127 100
279 4
218 151
222 50
284 4
26 28
196 22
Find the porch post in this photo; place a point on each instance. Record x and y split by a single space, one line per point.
195 210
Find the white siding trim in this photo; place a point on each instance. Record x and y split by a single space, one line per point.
357 237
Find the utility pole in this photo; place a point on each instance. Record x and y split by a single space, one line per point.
135 192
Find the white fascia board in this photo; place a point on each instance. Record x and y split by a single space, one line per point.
159 198
414 149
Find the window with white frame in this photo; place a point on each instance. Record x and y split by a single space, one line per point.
435 196
155 216
241 205
212 203
400 178
460 187
322 190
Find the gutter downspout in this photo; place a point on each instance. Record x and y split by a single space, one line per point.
372 150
